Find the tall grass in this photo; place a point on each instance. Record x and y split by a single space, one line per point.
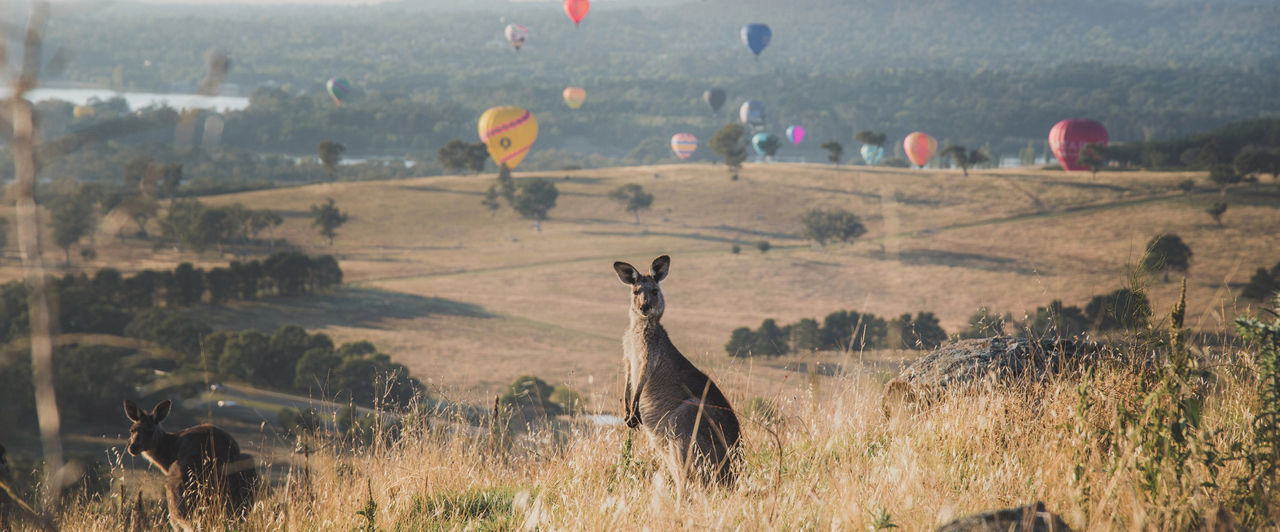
1083 445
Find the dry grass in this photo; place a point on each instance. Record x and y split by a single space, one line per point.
471 301
841 465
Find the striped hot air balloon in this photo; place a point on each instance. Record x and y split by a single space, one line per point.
574 96
684 144
920 147
508 132
338 89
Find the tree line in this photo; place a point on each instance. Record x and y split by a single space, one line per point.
105 302
842 330
849 330
147 306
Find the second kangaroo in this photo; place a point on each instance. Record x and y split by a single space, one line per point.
683 412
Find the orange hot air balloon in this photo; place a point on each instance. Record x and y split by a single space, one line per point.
508 132
574 96
920 147
576 9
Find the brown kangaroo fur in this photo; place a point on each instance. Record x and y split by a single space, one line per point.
203 465
682 410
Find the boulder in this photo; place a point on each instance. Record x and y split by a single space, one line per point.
1029 518
984 362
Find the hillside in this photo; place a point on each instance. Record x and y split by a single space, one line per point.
471 301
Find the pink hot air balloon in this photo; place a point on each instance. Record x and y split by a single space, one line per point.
576 9
1068 137
920 147
795 134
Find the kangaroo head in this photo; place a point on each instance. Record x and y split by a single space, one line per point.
145 433
646 295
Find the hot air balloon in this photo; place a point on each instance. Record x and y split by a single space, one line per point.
517 34
1068 137
760 140
756 37
751 113
576 9
574 96
338 89
795 134
508 132
684 144
872 153
83 111
920 147
714 98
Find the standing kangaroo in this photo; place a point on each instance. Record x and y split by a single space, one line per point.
203 465
683 412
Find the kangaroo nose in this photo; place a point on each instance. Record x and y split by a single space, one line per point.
644 308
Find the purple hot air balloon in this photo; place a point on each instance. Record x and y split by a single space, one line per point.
795 134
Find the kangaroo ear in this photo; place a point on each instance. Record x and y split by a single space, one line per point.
161 410
626 272
131 410
660 267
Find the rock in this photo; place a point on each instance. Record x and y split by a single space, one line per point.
1029 518
983 362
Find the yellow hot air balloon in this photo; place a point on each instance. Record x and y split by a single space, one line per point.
574 96
508 132
83 111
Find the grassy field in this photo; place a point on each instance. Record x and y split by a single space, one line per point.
470 301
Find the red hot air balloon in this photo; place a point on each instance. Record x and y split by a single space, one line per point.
920 147
576 9
1068 137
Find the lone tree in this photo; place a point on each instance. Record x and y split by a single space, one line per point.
1224 175
533 199
834 151
633 198
265 219
328 218
1166 252
71 216
824 226
1216 211
457 156
1093 157
330 155
730 143
1250 161
454 156
963 159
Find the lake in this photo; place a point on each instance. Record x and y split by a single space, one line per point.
137 100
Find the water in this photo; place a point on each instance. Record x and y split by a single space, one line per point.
137 100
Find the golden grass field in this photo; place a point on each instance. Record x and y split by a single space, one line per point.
471 301
830 464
